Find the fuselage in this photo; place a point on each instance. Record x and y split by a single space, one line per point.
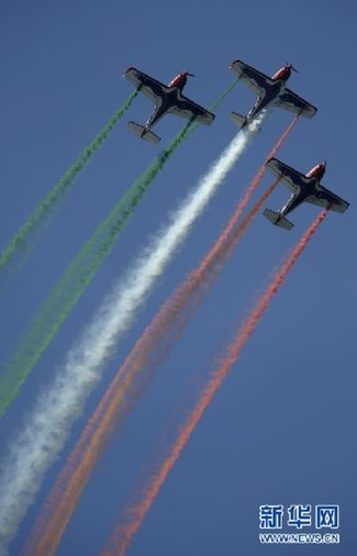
168 98
271 92
306 188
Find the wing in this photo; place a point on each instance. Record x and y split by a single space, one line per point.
292 102
293 179
188 109
325 198
152 88
254 78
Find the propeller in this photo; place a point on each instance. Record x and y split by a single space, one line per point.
190 74
292 67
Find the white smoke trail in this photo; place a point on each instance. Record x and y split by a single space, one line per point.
46 429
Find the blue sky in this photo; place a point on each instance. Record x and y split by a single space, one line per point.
281 429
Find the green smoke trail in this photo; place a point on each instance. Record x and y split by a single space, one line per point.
80 273
41 213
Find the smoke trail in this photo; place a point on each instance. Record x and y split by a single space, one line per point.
47 428
209 183
135 514
72 480
52 199
78 275
222 249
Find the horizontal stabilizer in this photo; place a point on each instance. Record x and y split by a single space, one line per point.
143 133
276 219
241 121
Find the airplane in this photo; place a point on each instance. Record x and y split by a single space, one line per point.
270 91
305 188
168 99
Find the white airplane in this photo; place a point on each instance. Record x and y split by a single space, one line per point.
168 99
305 188
270 91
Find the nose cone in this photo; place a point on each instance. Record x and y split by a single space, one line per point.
180 80
320 170
323 167
291 68
317 171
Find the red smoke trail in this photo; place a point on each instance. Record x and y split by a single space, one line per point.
135 514
148 353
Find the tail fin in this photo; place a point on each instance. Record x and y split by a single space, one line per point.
276 219
241 121
143 133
